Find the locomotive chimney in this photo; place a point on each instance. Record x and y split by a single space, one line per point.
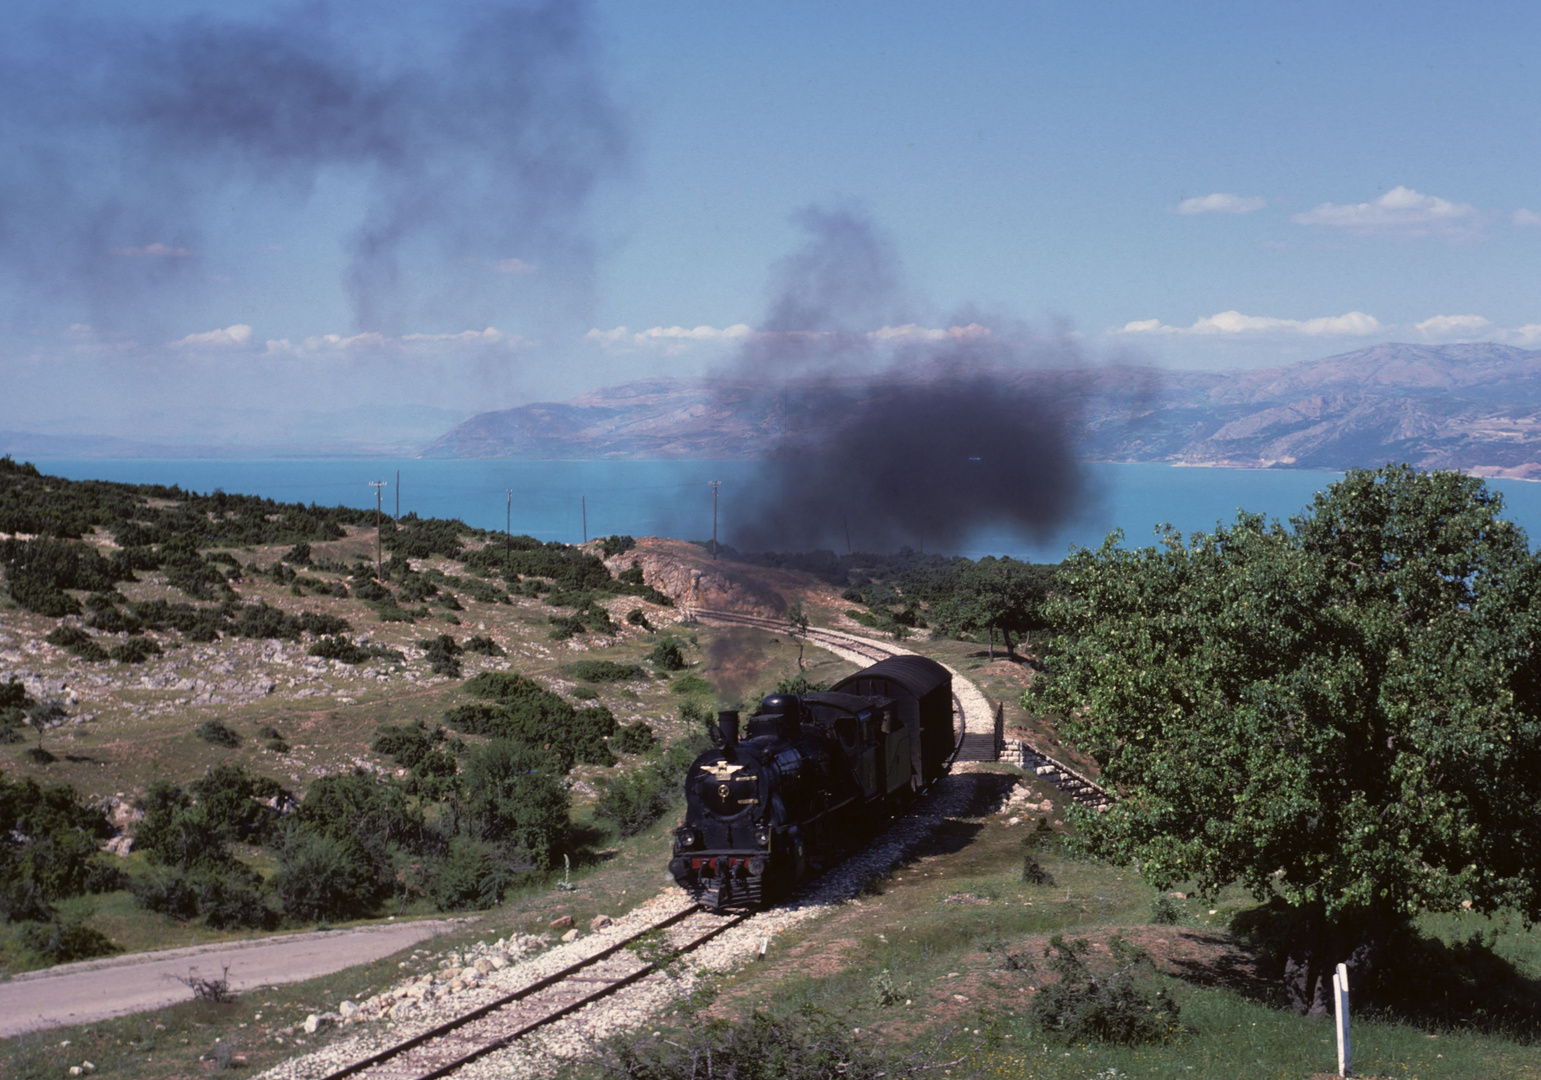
727 723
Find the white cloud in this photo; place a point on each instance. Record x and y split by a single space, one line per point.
1400 211
1529 334
672 340
156 250
513 266
371 341
1352 324
1220 203
490 336
912 332
231 337
1526 217
1454 326
669 340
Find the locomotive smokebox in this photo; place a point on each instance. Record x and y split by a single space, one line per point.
727 723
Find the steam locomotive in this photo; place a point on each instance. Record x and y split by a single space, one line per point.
814 776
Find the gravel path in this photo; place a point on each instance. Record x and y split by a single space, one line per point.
541 1053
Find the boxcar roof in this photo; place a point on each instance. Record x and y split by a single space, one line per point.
918 674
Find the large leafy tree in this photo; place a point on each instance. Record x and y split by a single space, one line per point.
1344 714
998 596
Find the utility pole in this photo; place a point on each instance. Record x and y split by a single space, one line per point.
583 504
379 564
847 521
715 485
508 524
398 497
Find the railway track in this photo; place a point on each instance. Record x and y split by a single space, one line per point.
495 1025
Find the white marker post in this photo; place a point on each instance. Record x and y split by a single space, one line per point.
1340 1007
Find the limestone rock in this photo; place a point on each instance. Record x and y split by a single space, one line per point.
571 935
561 923
599 922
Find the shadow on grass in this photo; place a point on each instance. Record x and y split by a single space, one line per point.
1422 980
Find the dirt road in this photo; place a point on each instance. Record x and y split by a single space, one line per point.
98 989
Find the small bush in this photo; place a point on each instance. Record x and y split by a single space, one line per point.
635 738
691 685
134 651
668 655
1163 912
323 876
299 555
482 645
405 745
807 1045
585 693
217 733
472 875
638 617
338 647
616 545
76 641
1121 1004
443 655
61 940
601 671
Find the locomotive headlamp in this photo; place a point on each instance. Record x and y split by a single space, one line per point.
686 838
762 837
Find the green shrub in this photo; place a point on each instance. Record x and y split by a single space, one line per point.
668 655
691 684
806 1045
134 651
1119 1003
1163 912
585 693
638 617
338 647
483 646
231 801
404 745
48 847
322 876
217 733
601 671
76 641
299 555
616 545
176 833
443 655
61 940
634 800
224 896
472 875
635 738
363 807
109 620
515 799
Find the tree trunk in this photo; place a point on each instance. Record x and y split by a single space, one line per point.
1318 946
1011 650
992 643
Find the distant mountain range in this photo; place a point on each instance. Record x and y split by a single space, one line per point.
1473 407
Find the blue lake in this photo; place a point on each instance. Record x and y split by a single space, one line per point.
673 498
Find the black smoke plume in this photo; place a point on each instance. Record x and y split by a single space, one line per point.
906 437
466 154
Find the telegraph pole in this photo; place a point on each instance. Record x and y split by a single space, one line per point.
508 524
398 497
379 565
715 485
583 504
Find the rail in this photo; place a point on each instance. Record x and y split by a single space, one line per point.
495 1025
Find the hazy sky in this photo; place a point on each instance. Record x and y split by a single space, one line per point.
211 213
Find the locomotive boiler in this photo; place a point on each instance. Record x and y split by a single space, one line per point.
812 777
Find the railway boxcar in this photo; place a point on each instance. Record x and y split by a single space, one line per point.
813 777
